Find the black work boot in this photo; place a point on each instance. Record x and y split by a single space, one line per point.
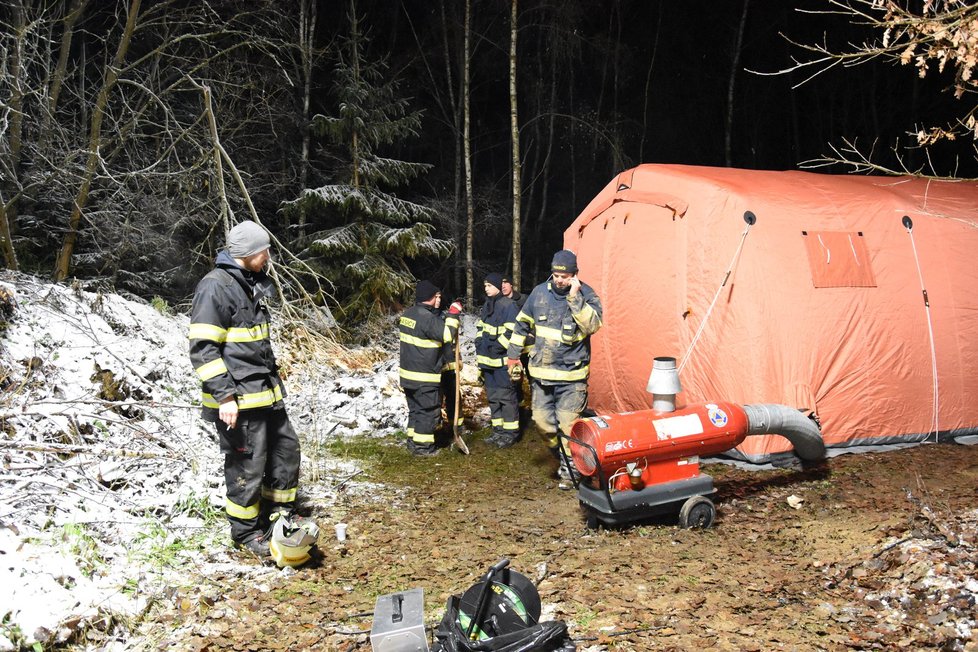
257 545
506 439
421 450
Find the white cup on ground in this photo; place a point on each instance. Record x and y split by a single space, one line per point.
341 531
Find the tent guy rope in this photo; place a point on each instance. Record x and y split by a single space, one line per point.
750 218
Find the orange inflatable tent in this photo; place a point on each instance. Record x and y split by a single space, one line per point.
853 297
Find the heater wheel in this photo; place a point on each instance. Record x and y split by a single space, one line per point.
697 511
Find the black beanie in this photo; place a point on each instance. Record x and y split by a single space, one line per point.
564 261
425 291
496 279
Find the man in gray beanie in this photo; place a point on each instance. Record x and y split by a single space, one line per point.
231 352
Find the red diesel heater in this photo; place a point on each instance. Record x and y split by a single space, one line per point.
644 463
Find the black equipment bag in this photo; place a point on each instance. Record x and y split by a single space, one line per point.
550 636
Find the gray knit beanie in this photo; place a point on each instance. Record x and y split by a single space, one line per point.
247 239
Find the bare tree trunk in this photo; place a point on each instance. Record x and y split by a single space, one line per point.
734 65
456 120
57 80
307 35
648 88
63 263
8 209
514 126
218 167
467 146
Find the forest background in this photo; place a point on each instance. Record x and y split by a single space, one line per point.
382 142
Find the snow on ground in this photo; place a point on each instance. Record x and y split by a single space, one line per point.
110 484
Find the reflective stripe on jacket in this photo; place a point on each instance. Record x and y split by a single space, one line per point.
563 327
496 322
425 337
230 345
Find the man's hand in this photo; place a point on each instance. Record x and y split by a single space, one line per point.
514 368
228 412
455 308
575 286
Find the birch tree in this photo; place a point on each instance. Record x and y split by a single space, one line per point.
514 125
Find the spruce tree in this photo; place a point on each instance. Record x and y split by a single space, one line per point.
365 234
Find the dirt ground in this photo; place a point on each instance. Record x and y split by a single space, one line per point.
846 570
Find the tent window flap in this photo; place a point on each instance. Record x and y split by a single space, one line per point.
838 259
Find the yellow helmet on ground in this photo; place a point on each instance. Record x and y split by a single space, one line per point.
291 541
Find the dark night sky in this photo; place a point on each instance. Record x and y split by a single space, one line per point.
603 85
606 54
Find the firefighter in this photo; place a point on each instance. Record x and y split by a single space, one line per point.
512 293
495 327
449 378
520 299
243 395
424 334
562 314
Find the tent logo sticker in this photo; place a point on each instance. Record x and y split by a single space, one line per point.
716 416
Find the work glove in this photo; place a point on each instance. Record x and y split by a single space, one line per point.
514 368
455 308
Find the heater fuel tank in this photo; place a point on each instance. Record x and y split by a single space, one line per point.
651 436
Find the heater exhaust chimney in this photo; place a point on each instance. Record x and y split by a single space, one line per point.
664 384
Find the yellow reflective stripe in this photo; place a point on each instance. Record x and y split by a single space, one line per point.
423 439
447 335
279 495
211 369
237 511
253 334
489 329
448 366
247 401
497 422
451 321
420 376
555 334
545 373
548 333
588 312
207 332
518 339
525 317
503 340
420 343
489 362
260 399
511 425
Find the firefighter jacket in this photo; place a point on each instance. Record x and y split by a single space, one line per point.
496 322
230 345
426 344
517 298
563 327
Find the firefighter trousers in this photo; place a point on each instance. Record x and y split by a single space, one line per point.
503 401
261 469
557 406
424 413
